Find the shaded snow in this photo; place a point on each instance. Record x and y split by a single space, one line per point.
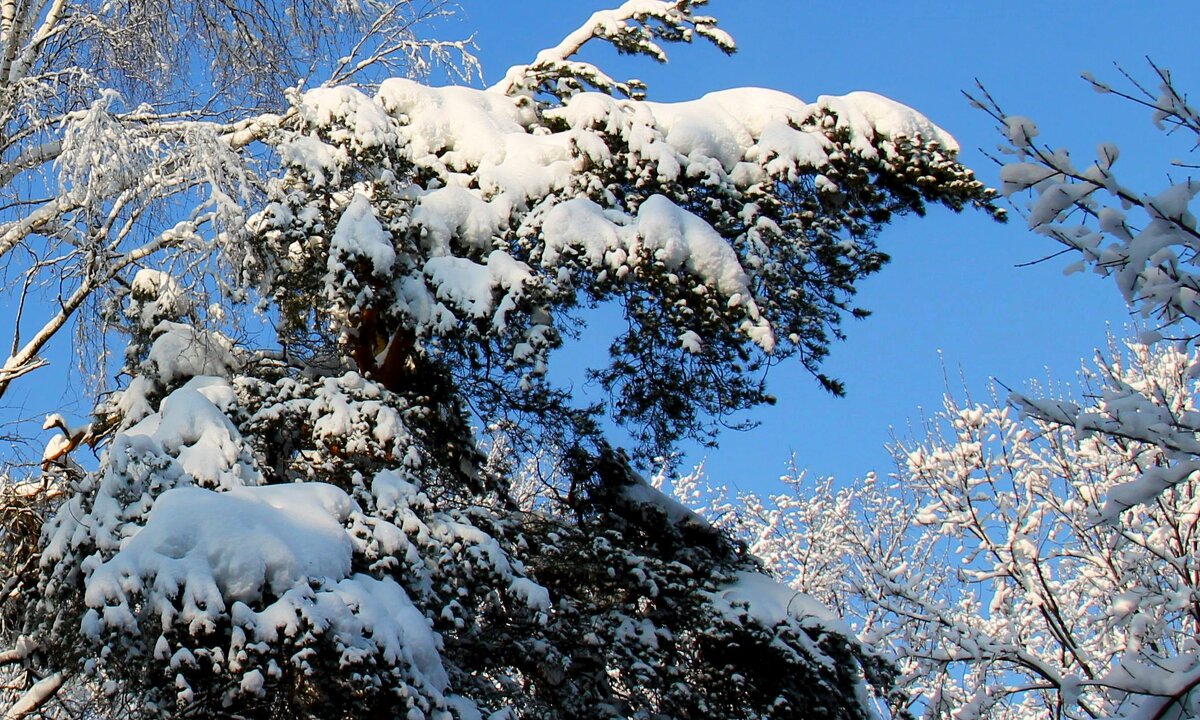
222 547
191 426
181 351
641 492
680 239
770 602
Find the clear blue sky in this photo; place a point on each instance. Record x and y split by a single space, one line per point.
952 293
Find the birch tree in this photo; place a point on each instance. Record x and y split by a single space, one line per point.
116 115
991 564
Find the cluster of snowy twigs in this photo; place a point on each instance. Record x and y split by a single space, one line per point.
1036 557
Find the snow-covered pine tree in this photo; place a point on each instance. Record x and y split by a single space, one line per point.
309 529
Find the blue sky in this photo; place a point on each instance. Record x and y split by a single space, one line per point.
952 301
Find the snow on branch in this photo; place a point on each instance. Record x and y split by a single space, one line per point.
309 525
1146 240
1005 563
635 28
495 214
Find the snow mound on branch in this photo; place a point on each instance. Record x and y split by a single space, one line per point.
444 116
181 351
454 211
583 226
770 602
359 233
192 427
469 285
868 115
641 492
188 442
156 295
663 231
204 557
218 547
358 118
187 556
678 238
496 138
670 234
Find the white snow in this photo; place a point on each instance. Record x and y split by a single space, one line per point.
359 233
223 547
584 226
454 212
157 295
770 602
181 351
871 114
276 560
354 116
704 128
191 426
680 239
469 285
320 159
1020 130
664 231
501 170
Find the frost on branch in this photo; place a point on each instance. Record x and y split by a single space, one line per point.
994 566
455 230
1146 240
